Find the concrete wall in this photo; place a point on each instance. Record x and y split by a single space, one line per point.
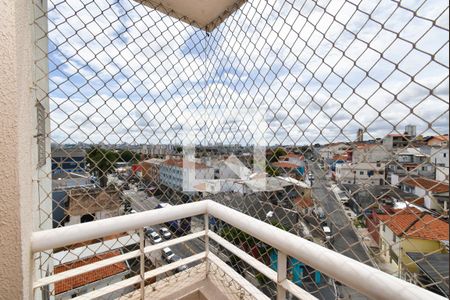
17 144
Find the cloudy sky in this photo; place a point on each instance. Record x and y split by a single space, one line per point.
275 72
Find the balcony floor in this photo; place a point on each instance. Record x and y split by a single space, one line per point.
193 284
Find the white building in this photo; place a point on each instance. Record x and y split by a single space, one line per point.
370 153
442 174
408 162
180 176
232 167
438 156
361 173
330 150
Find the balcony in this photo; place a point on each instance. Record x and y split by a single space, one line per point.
120 115
211 277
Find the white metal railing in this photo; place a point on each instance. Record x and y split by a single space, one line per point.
363 278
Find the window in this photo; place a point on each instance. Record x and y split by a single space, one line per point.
444 154
394 239
361 172
384 227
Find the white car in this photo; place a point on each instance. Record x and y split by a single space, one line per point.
167 254
156 239
327 232
165 233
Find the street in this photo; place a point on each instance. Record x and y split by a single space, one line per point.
345 239
141 202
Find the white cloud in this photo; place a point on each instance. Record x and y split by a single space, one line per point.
318 70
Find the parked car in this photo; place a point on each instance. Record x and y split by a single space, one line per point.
319 213
165 233
167 254
148 230
327 232
181 268
156 239
133 211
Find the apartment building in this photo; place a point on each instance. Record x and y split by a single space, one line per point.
182 176
151 170
396 141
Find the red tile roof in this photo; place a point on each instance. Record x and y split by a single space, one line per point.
440 138
285 165
427 184
412 225
89 277
416 201
293 155
340 157
304 202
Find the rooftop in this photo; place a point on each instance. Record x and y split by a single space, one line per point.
88 277
285 165
412 225
180 163
435 266
427 184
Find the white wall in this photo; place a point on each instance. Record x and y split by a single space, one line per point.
17 128
345 174
442 174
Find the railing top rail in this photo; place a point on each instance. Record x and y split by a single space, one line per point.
63 236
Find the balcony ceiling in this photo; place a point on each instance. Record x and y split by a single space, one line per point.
204 14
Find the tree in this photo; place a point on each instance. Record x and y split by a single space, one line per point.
101 163
129 156
271 171
275 155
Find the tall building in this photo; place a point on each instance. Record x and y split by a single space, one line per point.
410 130
360 135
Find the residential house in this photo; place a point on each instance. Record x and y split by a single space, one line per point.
297 159
438 140
332 149
62 183
435 193
287 168
79 255
409 230
89 204
371 153
410 162
361 173
439 156
442 174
